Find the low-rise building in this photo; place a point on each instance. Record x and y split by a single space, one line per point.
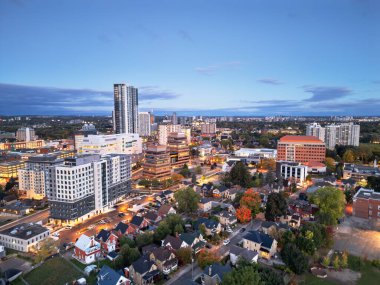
265 245
227 218
87 249
294 171
237 252
108 276
366 204
164 259
143 271
108 241
213 274
23 237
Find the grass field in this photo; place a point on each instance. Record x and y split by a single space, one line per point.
54 271
310 279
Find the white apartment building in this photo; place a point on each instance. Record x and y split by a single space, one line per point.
23 236
106 144
25 135
343 134
208 128
164 130
87 185
125 113
316 130
144 124
292 170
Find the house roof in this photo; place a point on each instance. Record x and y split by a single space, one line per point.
217 270
210 224
103 235
174 242
108 276
84 242
189 237
142 265
243 252
164 209
121 227
137 221
161 253
260 238
268 224
228 215
113 254
152 216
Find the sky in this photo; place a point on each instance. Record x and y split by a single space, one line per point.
215 57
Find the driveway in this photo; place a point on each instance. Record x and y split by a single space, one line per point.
15 262
355 236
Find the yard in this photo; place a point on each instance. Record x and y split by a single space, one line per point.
54 271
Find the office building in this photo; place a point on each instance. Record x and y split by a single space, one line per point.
23 237
174 118
107 144
125 114
157 162
301 149
208 128
22 145
366 204
36 175
10 169
179 149
144 124
164 130
343 134
292 171
26 135
87 185
316 130
187 132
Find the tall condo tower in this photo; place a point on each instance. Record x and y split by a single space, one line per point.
125 115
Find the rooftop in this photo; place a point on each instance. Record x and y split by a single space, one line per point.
364 193
300 139
25 231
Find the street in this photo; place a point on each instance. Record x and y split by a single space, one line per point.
33 218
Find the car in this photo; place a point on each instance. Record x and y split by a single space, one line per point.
242 230
68 227
55 234
229 230
227 241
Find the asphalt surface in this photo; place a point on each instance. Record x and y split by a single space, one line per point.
33 218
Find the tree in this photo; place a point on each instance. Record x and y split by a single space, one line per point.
177 177
335 262
187 200
193 178
125 240
161 231
247 275
244 214
270 277
198 170
331 203
373 182
155 183
339 170
185 172
46 248
344 260
127 255
276 206
326 261
330 164
269 178
294 258
184 255
239 175
10 184
348 156
252 201
206 257
144 239
268 164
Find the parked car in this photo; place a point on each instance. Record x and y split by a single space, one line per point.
242 230
227 241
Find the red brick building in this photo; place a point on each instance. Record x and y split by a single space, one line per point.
301 149
366 204
87 249
108 241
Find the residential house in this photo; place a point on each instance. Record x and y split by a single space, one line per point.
108 241
237 252
205 204
165 210
174 242
195 240
265 245
165 259
139 223
153 218
143 271
227 218
211 226
206 190
87 249
228 165
231 193
213 274
219 191
123 229
108 276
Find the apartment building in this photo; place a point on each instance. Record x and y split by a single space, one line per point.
156 164
366 204
164 130
208 128
294 171
26 134
179 149
316 130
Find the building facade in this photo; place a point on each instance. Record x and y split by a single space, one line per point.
164 130
144 124
292 170
366 204
316 130
208 128
301 149
125 114
343 134
156 164
25 134
179 149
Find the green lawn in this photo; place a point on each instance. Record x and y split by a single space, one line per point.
310 279
17 282
54 271
370 275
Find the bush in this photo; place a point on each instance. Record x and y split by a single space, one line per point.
376 263
355 263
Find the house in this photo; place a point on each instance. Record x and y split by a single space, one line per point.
260 242
195 240
211 226
206 190
219 191
205 204
108 276
231 193
168 194
143 271
108 240
237 252
165 259
147 249
213 274
112 255
295 221
139 223
174 242
153 218
123 229
228 165
165 210
86 249
227 218
268 227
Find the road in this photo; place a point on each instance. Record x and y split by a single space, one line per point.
187 273
34 218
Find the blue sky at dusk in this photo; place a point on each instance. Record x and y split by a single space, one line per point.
194 57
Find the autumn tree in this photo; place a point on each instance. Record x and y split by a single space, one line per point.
177 177
206 257
184 255
252 201
46 248
243 214
348 156
330 164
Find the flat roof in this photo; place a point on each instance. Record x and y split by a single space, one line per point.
24 231
365 193
299 139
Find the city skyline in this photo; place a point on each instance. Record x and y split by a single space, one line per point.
250 58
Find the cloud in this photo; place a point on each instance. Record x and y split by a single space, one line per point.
39 100
212 69
185 35
323 93
269 81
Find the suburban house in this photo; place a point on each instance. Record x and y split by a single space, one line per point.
139 223
207 190
227 218
205 204
174 242
260 242
213 274
123 229
228 165
219 191
165 259
108 240
153 218
143 271
108 276
237 252
165 210
86 249
231 193
211 226
195 240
